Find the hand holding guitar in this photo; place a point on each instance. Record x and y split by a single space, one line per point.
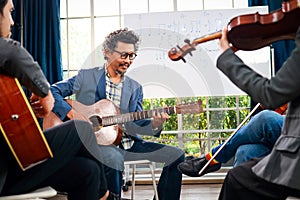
42 106
73 114
159 119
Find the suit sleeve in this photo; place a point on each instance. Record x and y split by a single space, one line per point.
17 62
60 90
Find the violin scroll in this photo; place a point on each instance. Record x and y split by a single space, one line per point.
175 54
179 52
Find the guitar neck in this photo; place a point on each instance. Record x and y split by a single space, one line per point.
134 116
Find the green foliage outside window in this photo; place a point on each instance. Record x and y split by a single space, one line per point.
220 117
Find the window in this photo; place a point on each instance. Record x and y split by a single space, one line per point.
84 23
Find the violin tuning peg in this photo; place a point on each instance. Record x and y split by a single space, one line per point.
183 59
187 41
191 53
179 48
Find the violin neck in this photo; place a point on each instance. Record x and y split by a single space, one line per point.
208 37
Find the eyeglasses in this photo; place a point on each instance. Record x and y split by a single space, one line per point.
124 55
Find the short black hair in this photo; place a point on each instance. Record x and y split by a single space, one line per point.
121 35
2 5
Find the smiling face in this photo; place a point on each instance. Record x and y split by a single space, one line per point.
115 63
6 21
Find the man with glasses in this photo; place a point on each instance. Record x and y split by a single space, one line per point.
110 82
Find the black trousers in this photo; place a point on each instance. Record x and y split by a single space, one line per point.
74 169
242 184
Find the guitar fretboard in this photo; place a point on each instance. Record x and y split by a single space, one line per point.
134 116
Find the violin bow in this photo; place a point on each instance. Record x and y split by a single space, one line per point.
227 140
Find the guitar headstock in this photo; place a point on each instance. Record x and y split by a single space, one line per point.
179 52
190 108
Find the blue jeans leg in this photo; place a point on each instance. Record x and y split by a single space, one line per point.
264 128
247 151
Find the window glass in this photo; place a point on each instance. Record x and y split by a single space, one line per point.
79 43
68 74
217 4
79 8
64 50
183 5
240 3
102 8
103 26
161 6
63 9
134 6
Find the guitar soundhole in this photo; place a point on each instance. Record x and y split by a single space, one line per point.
96 121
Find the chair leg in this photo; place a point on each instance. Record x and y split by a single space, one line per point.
133 183
151 166
126 179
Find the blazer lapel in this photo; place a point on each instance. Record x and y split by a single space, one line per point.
101 89
126 93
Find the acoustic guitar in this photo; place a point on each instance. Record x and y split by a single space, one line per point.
106 119
19 125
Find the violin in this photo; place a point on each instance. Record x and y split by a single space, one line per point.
280 110
251 31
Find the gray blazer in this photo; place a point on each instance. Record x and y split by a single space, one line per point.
17 62
282 165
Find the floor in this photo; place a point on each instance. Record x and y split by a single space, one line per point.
203 188
188 192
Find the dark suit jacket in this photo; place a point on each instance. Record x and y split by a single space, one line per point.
89 87
17 62
282 165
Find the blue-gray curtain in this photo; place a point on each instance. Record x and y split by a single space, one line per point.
282 49
41 34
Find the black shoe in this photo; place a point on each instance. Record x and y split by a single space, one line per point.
113 196
193 166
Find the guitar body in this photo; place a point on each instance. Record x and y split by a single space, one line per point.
19 125
105 135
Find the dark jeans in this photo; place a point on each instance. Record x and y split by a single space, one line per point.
169 186
74 169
